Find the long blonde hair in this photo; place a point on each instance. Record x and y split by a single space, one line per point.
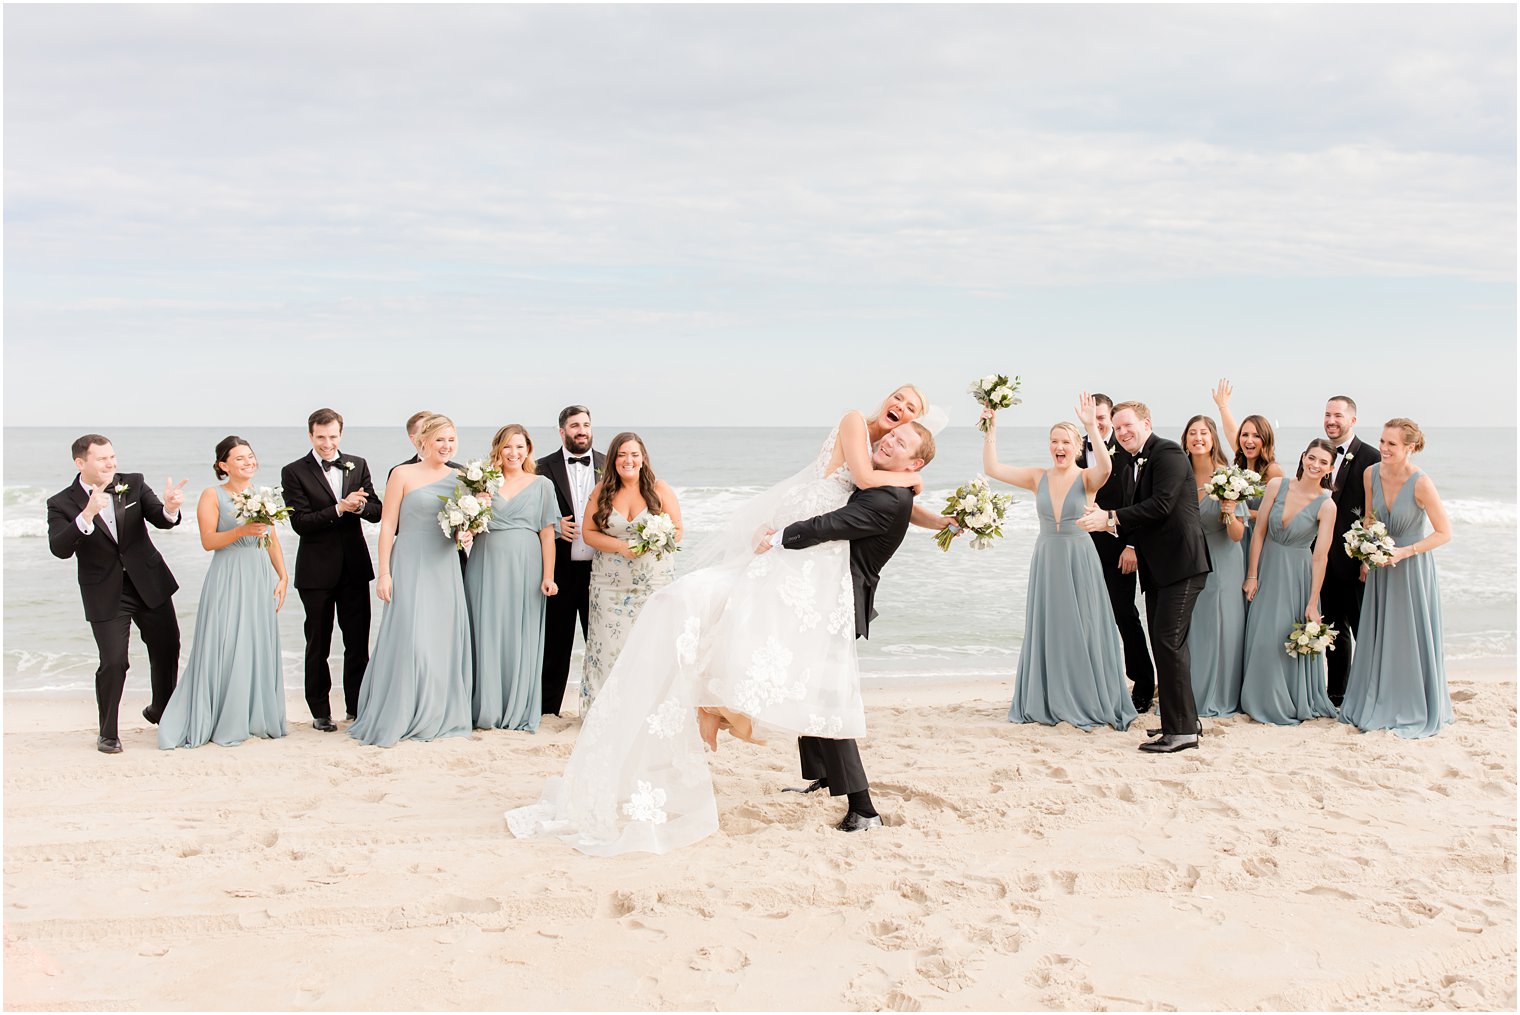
923 403
500 441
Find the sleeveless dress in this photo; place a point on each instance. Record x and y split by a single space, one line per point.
417 684
1278 688
1398 675
619 589
1071 668
232 687
769 635
1216 638
502 590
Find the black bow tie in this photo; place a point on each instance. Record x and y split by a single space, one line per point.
336 463
583 460
1341 450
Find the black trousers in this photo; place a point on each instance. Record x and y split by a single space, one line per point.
1169 612
838 761
159 630
560 612
350 602
1340 603
1121 599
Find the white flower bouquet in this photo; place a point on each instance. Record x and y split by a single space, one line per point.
1234 485
263 506
464 512
1369 542
656 534
977 510
1310 638
479 479
995 391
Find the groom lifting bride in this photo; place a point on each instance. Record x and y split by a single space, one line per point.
759 636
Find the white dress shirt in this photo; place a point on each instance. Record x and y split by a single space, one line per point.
582 479
107 513
1340 456
334 477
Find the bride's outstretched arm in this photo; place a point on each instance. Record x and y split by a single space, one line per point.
856 442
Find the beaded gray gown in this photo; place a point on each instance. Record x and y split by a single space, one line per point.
1071 666
417 684
1278 688
232 687
1398 675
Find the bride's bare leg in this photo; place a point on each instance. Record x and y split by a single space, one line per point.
708 724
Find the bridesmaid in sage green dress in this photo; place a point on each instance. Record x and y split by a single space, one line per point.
1255 445
1398 675
509 575
1283 585
232 687
417 684
622 581
1216 639
1071 665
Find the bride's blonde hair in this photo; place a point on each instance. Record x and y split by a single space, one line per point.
923 403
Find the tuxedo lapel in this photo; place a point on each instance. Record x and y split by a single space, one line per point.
560 476
321 478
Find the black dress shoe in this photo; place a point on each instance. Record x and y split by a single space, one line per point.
1142 705
349 717
1169 744
1158 732
859 822
324 725
812 787
151 715
108 745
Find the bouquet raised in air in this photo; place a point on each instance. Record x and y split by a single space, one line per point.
1233 485
1310 638
1369 542
656 534
262 507
995 391
977 510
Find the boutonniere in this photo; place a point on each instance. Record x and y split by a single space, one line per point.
120 488
1140 462
348 466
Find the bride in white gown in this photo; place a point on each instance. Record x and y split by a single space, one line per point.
765 640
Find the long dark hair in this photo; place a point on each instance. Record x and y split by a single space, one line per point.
1268 445
1323 445
225 448
611 481
1216 456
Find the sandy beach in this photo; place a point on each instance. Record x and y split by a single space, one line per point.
1022 867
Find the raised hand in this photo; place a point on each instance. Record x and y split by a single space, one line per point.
354 502
174 495
1087 411
989 420
1222 392
99 498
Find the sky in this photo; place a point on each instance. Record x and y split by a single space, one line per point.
755 215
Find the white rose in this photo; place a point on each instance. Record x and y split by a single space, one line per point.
473 471
470 505
1000 395
989 382
456 517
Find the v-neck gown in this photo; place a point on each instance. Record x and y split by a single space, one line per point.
1071 668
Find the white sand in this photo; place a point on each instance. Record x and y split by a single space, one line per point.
1022 867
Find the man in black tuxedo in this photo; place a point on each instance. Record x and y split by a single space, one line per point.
1160 520
1340 598
1120 562
573 470
874 521
101 520
329 493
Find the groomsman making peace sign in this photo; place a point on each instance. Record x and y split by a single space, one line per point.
99 520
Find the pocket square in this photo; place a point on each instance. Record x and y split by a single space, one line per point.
125 506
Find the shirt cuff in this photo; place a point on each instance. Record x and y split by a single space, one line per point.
776 538
84 527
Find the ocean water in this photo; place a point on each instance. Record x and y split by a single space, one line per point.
957 615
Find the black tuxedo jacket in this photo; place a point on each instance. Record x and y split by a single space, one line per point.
104 561
1116 488
553 467
874 521
1350 504
332 547
1161 519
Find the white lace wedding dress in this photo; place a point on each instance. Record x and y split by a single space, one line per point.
772 636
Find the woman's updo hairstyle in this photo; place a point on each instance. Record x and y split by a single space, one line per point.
225 448
1413 435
